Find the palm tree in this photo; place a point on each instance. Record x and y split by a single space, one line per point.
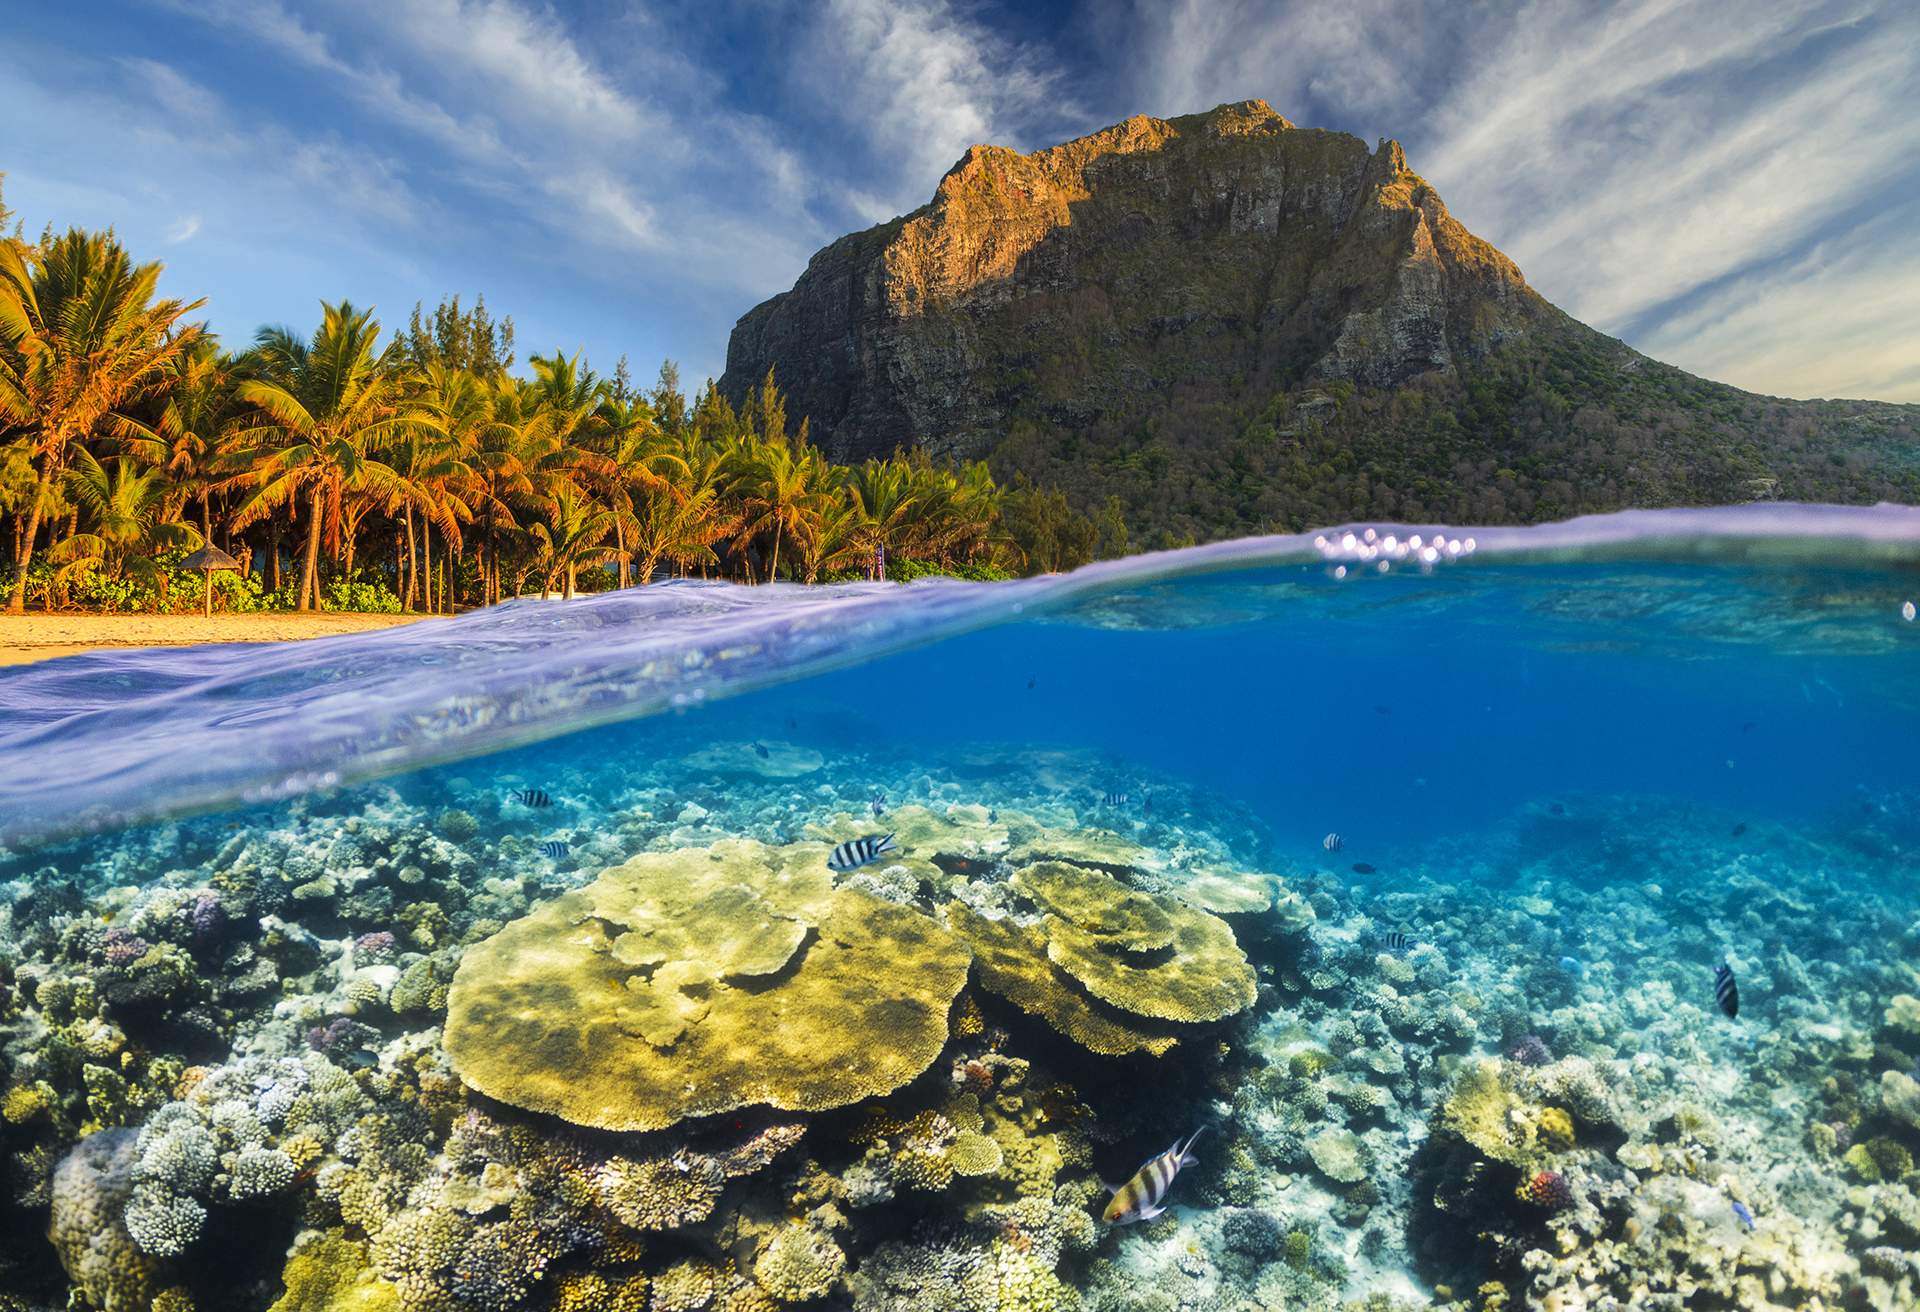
834 538
129 519
325 404
779 484
888 501
573 534
195 426
630 457
82 343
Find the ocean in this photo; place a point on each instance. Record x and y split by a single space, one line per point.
697 946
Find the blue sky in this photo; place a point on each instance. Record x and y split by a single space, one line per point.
1732 188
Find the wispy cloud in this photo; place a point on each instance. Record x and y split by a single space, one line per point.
1835 321
183 230
922 80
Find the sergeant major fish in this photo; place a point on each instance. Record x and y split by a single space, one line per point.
1139 1198
1333 842
554 848
857 852
1725 991
531 797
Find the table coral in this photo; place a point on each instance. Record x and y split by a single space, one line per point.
652 1037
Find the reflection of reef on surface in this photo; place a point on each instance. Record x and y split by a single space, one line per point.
383 1053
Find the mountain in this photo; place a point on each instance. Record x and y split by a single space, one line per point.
1232 324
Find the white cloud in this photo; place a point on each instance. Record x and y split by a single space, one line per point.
183 230
920 81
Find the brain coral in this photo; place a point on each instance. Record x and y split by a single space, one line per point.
693 982
90 1190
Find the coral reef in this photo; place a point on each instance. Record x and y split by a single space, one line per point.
380 1055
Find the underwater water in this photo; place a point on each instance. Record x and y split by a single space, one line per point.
550 956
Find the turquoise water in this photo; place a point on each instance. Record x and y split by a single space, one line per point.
1407 884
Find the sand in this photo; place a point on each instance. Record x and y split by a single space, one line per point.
26 638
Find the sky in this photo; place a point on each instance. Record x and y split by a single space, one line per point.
1735 189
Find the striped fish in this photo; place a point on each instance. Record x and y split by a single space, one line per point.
1139 1198
1725 991
878 804
531 797
1115 799
554 848
857 852
1398 942
1333 842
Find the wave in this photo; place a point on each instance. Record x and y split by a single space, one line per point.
116 737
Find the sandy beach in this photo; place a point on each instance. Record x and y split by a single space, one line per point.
27 638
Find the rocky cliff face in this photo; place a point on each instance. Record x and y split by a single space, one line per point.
1232 323
1149 254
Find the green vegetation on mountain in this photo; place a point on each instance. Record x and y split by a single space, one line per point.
1224 324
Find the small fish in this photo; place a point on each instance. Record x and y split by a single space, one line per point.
1740 829
554 848
1333 842
760 749
993 816
1115 799
878 804
531 797
1746 1217
1139 1198
857 852
1362 868
1398 942
1725 991
1558 808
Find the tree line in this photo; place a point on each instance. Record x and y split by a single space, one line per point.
343 467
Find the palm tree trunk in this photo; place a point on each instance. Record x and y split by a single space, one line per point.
273 553
17 602
206 518
310 575
413 561
620 540
773 570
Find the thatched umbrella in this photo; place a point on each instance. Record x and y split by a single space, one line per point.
208 559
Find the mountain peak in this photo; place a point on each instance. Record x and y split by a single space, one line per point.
1145 297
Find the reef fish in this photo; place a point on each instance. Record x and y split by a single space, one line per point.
1362 868
531 797
1115 799
1725 991
1397 942
1740 829
878 804
1333 842
857 852
761 750
1746 1217
1139 1198
554 848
